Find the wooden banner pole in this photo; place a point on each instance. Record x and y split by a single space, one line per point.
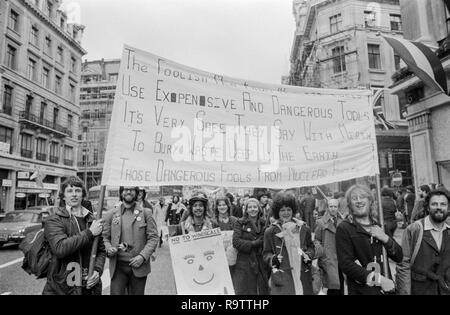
95 244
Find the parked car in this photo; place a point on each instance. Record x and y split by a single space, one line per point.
18 223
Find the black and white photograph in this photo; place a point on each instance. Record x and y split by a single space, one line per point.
205 148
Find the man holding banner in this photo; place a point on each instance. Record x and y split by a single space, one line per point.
360 236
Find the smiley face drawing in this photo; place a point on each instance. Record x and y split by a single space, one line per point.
201 267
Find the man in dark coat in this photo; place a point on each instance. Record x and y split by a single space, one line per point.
308 205
425 269
359 244
70 233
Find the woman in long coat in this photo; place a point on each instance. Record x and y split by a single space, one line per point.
288 249
250 274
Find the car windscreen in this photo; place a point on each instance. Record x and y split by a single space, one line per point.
20 217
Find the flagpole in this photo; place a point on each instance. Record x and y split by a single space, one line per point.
95 244
381 216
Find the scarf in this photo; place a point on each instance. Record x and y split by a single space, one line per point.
189 225
290 232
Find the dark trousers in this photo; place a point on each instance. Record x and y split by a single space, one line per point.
334 292
309 219
390 227
124 282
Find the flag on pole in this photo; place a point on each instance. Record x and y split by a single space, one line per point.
421 60
38 177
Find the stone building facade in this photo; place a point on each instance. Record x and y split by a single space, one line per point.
40 64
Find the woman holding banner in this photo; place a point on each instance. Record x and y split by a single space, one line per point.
250 274
288 249
197 219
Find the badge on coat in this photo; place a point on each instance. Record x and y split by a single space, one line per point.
116 220
136 212
138 219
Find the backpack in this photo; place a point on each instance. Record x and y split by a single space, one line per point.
37 254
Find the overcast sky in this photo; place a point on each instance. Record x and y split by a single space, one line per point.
247 39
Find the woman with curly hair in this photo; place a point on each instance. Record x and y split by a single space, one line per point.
250 274
288 249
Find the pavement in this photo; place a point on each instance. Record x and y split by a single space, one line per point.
15 281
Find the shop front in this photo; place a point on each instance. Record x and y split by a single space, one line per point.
29 194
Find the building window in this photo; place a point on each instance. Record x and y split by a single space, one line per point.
95 157
11 57
335 23
84 158
26 145
374 56
28 104
397 60
69 122
55 116
48 45
113 77
46 77
31 70
42 112
7 100
73 64
62 23
85 131
369 18
6 137
41 146
34 35
396 22
58 84
54 152
72 92
338 59
60 53
68 155
13 22
49 9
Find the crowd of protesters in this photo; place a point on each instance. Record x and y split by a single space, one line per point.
284 244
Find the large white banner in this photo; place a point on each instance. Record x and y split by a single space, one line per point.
199 263
175 125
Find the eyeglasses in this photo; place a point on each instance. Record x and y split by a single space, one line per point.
128 189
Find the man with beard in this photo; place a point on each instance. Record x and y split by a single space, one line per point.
425 269
131 238
359 246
